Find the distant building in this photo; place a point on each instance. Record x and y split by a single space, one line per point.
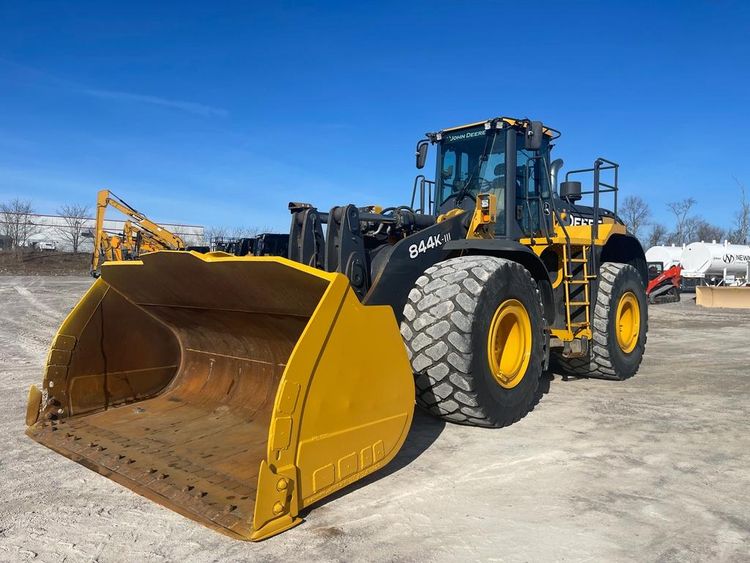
52 231
5 243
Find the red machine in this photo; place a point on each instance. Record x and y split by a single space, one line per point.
663 285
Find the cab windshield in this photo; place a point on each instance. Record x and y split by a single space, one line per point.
472 161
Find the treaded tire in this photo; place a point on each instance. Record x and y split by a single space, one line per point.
606 360
445 328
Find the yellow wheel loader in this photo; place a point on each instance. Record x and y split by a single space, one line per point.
240 390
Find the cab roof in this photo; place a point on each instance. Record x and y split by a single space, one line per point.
495 122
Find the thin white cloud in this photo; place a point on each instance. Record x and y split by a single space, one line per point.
34 74
189 107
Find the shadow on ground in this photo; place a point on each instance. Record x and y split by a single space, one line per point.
425 430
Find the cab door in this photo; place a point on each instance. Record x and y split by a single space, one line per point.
532 191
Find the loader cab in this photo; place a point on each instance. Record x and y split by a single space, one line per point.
495 157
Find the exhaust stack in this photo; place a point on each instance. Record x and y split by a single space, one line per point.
554 170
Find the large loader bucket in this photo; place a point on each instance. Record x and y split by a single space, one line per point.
236 391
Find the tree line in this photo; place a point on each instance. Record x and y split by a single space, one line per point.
19 223
687 226
216 233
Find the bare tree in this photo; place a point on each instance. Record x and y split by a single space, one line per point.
16 221
242 232
211 234
635 213
248 232
691 227
684 224
74 216
656 235
741 231
705 231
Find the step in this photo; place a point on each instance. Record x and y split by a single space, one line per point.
579 303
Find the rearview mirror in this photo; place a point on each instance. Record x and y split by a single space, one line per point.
534 135
422 147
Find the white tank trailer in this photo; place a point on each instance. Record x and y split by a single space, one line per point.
667 255
716 263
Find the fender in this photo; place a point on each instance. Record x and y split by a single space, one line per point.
511 250
627 249
395 269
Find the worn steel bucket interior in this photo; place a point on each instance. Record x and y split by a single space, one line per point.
172 376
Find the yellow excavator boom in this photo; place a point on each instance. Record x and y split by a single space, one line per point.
248 391
154 235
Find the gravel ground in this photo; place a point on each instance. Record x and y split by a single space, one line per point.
656 468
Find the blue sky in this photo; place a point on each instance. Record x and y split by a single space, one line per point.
219 113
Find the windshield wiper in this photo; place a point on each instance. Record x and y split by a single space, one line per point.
483 158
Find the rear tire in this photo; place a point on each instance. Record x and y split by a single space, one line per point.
607 358
462 315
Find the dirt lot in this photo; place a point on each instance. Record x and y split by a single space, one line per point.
656 468
44 263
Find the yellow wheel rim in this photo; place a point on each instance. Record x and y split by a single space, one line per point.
628 321
509 343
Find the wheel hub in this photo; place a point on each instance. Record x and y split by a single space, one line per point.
509 343
628 322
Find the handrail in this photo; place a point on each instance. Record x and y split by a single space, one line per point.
599 187
422 182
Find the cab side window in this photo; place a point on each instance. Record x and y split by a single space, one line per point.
527 191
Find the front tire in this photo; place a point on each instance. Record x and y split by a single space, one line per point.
474 331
